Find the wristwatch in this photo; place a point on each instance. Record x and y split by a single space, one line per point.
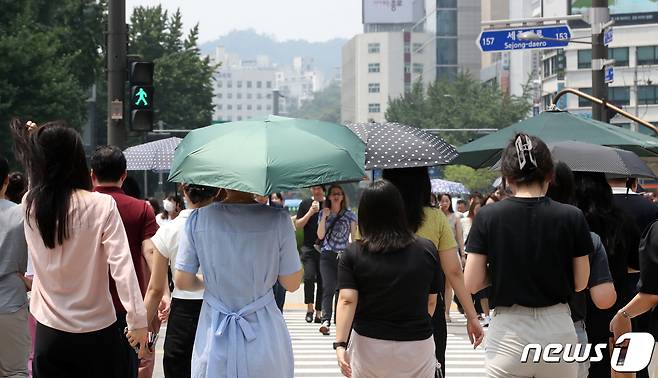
340 344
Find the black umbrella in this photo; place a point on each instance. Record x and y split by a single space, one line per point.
586 157
392 145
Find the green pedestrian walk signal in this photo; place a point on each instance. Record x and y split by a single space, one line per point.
141 96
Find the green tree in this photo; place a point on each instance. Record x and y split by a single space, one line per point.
50 57
479 180
462 103
325 105
182 78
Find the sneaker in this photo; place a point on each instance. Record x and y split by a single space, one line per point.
487 320
309 317
324 328
317 320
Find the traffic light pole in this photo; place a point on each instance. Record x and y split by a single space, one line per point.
599 16
116 71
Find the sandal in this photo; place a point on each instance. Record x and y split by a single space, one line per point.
309 317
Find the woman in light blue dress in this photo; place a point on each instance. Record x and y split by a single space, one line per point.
242 248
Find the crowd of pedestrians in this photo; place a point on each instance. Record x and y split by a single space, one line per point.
551 256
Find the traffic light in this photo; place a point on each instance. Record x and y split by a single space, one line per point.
141 96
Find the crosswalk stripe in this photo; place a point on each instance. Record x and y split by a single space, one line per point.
314 356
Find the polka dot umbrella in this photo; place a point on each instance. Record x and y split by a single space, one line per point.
152 156
392 145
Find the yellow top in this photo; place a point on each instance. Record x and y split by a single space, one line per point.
435 227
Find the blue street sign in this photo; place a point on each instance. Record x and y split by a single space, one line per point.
607 36
609 73
552 37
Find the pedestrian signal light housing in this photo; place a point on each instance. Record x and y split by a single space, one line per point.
141 96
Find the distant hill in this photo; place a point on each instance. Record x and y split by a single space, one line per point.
249 43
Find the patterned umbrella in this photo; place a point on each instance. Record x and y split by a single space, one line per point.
152 156
392 145
450 187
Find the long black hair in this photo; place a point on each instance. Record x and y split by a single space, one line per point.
563 186
55 158
382 222
416 190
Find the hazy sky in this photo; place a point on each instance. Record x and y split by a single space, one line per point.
313 20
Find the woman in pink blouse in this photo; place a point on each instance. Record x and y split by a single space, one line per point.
75 238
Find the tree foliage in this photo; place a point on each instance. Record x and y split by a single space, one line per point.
463 103
325 105
50 57
182 77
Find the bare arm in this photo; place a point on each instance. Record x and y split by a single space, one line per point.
353 228
291 282
301 222
157 283
459 235
347 301
475 272
188 281
431 304
604 295
322 227
580 272
640 304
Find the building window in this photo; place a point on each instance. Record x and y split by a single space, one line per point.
373 108
259 84
446 21
239 118
620 55
407 87
417 48
238 96
229 107
268 108
647 55
248 96
248 107
269 85
446 51
647 94
219 95
259 96
229 95
239 106
373 88
229 84
239 84
373 67
249 84
407 68
373 48
220 106
619 95
268 96
583 102
228 118
220 83
584 59
418 68
407 48
259 107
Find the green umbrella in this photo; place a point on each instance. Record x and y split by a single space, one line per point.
269 155
551 127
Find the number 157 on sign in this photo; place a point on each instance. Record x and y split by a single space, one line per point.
487 41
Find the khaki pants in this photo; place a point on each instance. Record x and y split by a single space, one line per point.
512 328
15 345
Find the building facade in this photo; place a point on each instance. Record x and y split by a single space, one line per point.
380 66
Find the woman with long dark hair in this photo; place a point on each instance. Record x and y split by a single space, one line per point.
336 224
430 223
73 235
533 251
386 317
620 238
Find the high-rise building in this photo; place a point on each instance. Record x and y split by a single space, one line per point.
405 41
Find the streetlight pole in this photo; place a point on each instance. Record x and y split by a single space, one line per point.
116 71
599 17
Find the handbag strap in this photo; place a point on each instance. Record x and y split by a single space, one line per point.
331 226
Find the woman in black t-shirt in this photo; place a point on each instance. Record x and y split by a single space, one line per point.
534 252
388 285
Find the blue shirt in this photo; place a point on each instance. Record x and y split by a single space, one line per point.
339 238
13 257
241 249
